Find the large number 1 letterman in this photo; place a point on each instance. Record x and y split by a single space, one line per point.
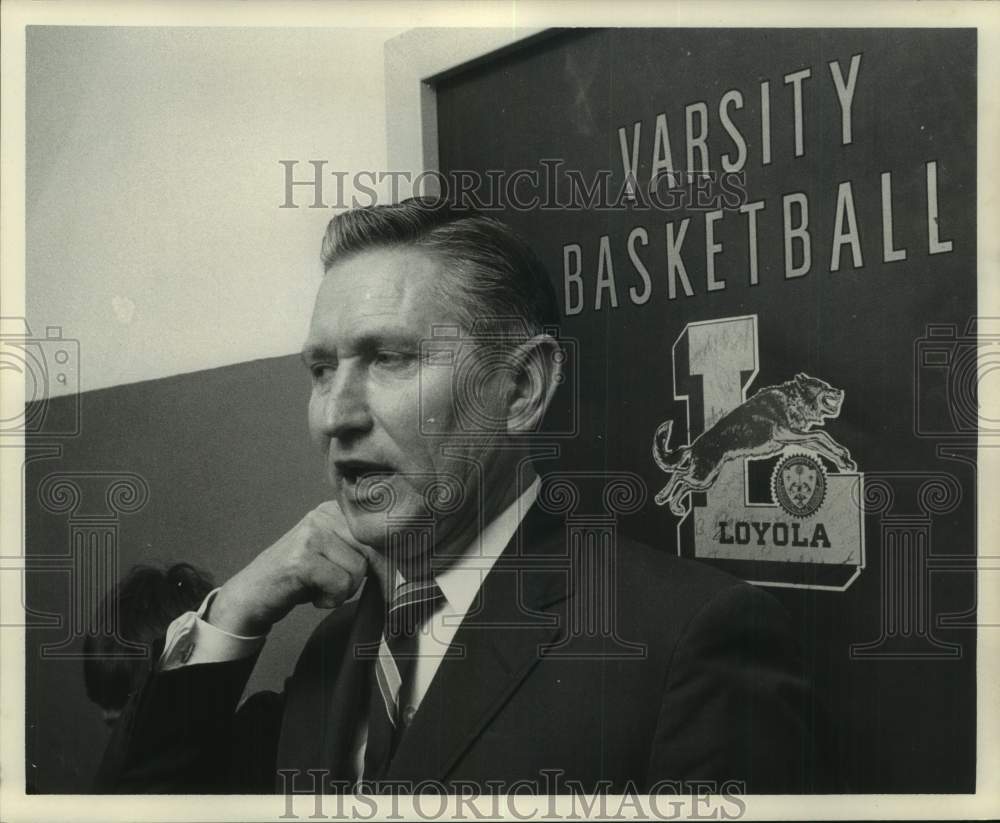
815 537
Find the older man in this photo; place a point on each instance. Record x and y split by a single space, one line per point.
450 653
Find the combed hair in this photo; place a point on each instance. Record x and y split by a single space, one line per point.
493 278
147 599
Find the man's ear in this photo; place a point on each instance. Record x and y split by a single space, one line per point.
537 372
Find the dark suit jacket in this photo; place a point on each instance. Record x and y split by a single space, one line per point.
694 677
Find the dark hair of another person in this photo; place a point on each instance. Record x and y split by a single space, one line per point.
148 599
492 278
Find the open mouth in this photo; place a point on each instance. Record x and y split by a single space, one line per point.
831 403
354 471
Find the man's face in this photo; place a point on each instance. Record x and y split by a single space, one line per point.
376 407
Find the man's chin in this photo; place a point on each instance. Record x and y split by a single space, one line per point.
374 527
410 532
366 527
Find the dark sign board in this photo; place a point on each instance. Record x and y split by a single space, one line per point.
764 242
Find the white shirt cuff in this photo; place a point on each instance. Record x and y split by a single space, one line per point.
191 640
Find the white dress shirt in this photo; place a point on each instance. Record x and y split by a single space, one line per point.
191 639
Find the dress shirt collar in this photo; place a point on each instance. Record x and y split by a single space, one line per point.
460 582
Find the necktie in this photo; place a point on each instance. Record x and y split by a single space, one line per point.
410 606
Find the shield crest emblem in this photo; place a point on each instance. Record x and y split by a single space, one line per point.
799 484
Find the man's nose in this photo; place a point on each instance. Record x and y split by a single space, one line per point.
346 413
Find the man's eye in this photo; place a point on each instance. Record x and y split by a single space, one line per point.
392 359
320 371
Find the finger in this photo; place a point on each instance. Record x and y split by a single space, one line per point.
374 559
325 540
324 600
359 562
332 585
330 513
352 561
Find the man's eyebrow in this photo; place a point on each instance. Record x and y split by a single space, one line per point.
392 336
317 352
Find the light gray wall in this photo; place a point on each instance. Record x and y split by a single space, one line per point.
154 233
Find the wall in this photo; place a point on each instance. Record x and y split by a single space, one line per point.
154 233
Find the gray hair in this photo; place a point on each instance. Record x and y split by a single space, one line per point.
492 276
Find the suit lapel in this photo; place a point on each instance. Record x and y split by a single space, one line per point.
328 696
518 609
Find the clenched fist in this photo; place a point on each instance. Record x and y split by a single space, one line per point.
317 561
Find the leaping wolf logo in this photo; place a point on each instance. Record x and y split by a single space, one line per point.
761 426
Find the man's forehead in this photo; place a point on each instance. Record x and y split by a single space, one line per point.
396 289
385 272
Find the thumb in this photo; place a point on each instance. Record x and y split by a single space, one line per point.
377 564
376 561
338 523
